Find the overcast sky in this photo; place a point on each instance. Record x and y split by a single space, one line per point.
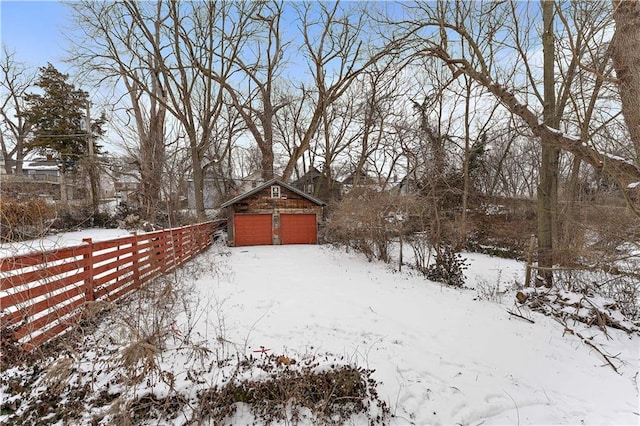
34 31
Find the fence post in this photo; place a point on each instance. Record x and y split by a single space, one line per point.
198 238
180 245
162 251
206 236
135 256
174 249
188 248
87 259
168 252
527 277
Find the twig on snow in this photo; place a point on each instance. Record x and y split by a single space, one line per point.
521 316
606 357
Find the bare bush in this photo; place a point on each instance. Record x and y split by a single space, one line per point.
24 219
436 239
330 395
368 221
448 267
502 227
421 246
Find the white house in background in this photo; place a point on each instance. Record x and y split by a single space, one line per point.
249 182
41 168
360 180
213 198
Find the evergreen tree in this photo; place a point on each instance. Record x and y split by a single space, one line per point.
57 116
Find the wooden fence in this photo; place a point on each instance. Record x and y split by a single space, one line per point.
43 294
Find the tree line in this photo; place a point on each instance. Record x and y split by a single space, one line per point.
508 98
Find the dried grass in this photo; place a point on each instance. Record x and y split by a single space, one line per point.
139 359
58 374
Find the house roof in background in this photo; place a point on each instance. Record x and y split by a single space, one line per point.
270 182
312 174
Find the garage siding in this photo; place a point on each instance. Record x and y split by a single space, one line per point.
273 213
252 229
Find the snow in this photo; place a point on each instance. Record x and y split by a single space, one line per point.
554 130
617 158
66 239
492 271
633 185
441 355
573 138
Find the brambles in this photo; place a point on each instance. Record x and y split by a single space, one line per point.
331 393
371 229
24 219
391 219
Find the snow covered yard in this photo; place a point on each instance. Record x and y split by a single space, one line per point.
440 355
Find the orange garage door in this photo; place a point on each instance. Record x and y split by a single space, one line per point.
298 228
252 229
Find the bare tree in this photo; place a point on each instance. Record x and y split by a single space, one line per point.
464 36
360 129
290 126
254 94
153 47
477 122
219 159
512 162
176 172
378 91
149 114
337 54
15 80
548 186
338 135
117 60
583 50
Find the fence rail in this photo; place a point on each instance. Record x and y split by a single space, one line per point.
43 294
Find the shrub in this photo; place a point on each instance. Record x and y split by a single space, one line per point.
331 394
81 217
448 267
367 221
24 219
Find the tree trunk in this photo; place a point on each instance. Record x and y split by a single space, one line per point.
8 163
548 185
266 161
198 182
266 143
467 155
64 198
152 156
94 182
626 60
570 232
94 175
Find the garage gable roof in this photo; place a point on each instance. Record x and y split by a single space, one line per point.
268 183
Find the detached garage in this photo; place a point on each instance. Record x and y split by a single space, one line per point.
273 213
